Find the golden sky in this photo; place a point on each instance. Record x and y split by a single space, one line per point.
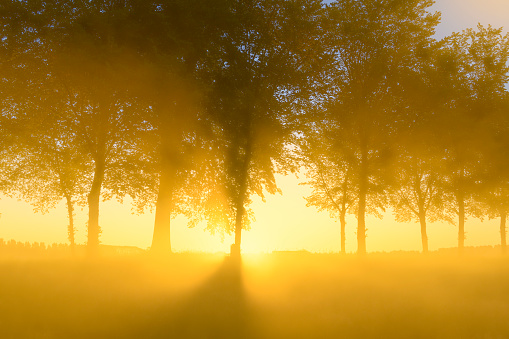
283 222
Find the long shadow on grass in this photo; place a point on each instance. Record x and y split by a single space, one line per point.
217 309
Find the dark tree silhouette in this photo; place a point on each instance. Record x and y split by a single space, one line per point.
488 65
474 72
418 191
191 107
376 43
76 90
51 169
265 55
185 35
494 194
15 44
496 205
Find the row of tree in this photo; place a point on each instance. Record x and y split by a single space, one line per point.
191 107
413 124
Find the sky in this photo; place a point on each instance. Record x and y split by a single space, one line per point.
458 15
283 222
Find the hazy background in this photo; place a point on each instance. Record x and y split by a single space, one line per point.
283 222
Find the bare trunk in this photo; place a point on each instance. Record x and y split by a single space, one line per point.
503 232
424 235
342 220
70 229
361 216
241 160
342 217
240 200
170 139
161 242
361 224
93 207
235 248
240 210
461 223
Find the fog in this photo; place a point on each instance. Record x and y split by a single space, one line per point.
192 110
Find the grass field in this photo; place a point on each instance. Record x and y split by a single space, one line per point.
286 295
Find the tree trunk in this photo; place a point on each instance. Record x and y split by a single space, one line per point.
424 235
235 248
240 200
70 229
461 223
503 240
170 136
342 220
361 216
170 139
240 210
161 242
342 217
93 207
361 224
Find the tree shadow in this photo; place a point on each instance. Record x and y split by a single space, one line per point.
217 309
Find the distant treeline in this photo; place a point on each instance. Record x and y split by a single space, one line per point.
190 107
24 248
20 249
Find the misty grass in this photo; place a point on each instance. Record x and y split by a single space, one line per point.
272 296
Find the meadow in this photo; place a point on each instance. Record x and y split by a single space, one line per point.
278 295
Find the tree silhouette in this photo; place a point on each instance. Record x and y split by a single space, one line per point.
418 189
191 108
489 54
419 192
494 193
164 75
376 43
328 174
474 71
496 205
53 168
264 57
81 94
186 32
20 60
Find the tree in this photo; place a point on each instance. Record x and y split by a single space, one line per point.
261 70
20 52
170 67
132 103
474 72
86 71
496 205
52 168
376 45
419 192
328 174
331 192
489 50
418 189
